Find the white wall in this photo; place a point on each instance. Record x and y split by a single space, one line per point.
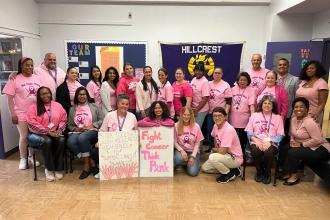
321 25
153 24
21 17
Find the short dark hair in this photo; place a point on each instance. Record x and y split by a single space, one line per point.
301 99
75 100
220 110
106 75
40 104
271 99
122 96
244 74
200 66
166 112
284 59
320 71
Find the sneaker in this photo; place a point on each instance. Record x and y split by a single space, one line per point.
267 179
259 178
31 161
22 164
237 172
94 170
58 175
225 178
97 176
49 175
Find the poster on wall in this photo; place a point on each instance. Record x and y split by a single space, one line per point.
156 152
85 54
186 55
118 154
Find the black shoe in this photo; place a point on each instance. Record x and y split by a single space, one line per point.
94 170
237 172
286 183
258 177
84 174
225 178
267 179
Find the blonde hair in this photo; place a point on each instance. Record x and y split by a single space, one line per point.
191 121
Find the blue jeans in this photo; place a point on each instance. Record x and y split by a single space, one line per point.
200 118
178 160
81 143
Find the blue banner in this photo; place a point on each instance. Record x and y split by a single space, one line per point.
227 56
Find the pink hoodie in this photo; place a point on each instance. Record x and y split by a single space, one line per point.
127 85
148 122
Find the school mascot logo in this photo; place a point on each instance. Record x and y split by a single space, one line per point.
208 63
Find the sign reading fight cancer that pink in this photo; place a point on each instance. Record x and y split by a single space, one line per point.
118 154
156 152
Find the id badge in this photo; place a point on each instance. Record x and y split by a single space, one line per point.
267 139
50 125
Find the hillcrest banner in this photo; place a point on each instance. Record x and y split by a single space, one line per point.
186 55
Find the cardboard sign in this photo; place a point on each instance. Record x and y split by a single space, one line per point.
118 155
156 152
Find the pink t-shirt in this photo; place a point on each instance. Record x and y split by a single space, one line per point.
189 138
83 116
240 108
113 98
94 91
180 90
312 93
227 137
110 122
165 94
218 92
24 90
201 88
267 91
73 86
265 126
257 78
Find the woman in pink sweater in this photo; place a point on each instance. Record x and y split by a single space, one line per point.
159 116
306 144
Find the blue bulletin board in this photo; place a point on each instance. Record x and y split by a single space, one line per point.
85 54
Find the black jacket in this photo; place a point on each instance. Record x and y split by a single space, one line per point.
63 96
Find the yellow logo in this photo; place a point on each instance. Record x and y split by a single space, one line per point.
208 64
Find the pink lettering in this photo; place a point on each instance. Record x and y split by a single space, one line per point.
158 168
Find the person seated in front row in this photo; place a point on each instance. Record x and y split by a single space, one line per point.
85 119
159 115
47 121
265 131
187 138
227 155
306 144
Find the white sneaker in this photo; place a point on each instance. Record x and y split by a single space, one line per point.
49 175
58 175
22 164
31 161
97 176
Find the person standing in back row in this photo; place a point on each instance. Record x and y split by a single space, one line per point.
257 73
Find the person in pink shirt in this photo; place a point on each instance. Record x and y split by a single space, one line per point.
182 92
227 155
21 93
265 130
108 90
47 121
220 96
306 144
66 91
127 85
201 93
159 116
277 91
187 139
243 105
94 85
165 90
257 73
314 88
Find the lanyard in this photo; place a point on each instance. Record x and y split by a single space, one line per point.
122 123
54 77
49 113
270 120
238 102
150 90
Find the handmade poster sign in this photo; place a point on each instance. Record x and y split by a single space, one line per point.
156 152
118 155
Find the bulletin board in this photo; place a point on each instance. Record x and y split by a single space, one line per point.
85 54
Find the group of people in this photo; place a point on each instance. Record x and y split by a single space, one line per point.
269 111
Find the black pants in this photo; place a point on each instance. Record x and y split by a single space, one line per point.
95 155
283 147
53 151
263 160
305 154
242 138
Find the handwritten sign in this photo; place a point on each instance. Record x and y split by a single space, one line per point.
156 152
118 155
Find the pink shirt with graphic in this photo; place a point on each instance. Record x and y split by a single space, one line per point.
240 108
165 94
227 137
73 86
265 126
257 78
267 91
218 92
201 88
94 91
24 90
110 122
190 138
83 116
180 90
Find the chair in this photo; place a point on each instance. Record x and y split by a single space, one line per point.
34 148
71 157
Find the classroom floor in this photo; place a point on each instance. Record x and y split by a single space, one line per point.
181 197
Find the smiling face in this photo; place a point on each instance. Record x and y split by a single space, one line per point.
72 74
162 77
50 61
122 106
311 71
267 106
300 110
198 73
45 95
112 75
186 117
243 82
270 79
179 75
158 110
256 61
217 74
282 67
129 70
27 68
82 97
218 118
147 72
96 73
